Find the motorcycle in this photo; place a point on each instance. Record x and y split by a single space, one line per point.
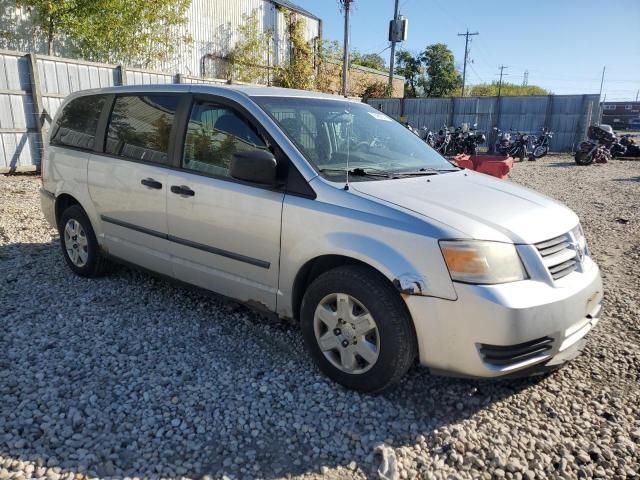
617 149
541 143
632 148
503 141
412 129
597 147
427 135
516 148
456 145
472 139
443 140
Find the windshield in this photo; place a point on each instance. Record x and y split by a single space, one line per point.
338 136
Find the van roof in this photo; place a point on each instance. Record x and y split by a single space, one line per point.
248 90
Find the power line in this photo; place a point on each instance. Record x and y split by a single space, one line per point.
466 51
476 73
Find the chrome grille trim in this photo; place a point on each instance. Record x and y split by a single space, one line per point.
558 255
551 243
555 248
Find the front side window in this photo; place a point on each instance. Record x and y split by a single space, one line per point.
140 127
338 136
214 134
76 125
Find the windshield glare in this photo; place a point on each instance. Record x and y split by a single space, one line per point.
336 136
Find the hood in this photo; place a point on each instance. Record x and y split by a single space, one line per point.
480 206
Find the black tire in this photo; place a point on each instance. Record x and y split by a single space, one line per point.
540 151
583 158
96 263
522 153
398 344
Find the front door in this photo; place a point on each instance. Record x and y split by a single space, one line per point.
225 234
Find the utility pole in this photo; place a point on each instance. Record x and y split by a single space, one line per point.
502 67
637 93
392 60
602 81
466 51
525 78
346 5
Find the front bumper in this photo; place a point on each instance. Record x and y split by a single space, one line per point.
500 330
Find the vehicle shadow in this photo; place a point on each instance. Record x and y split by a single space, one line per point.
629 179
96 383
560 164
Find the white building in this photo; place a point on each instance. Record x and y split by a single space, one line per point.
212 25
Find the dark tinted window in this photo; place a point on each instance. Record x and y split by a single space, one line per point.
140 127
76 125
214 133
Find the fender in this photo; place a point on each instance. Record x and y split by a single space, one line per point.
409 276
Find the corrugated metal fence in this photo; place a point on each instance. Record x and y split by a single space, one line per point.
568 116
32 88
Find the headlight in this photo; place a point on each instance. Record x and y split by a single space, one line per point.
482 262
581 240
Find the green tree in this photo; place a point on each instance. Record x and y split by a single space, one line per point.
370 60
132 31
115 31
508 89
375 90
442 77
247 57
410 68
299 71
52 18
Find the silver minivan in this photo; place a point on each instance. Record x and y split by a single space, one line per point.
329 212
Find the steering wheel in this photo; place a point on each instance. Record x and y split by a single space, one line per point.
361 146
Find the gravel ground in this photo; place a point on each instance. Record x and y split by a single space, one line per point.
131 376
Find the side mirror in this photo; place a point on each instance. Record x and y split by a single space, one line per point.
255 166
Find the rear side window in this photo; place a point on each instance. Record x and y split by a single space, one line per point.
140 127
76 125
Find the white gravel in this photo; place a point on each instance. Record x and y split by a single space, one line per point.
131 376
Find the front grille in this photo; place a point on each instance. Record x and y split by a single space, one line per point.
502 355
558 255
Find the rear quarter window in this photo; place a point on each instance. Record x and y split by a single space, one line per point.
77 123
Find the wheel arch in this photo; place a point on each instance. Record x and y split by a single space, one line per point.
315 267
64 201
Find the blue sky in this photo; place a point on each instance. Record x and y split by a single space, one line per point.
562 43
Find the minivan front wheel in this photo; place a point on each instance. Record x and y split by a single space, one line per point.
357 328
79 245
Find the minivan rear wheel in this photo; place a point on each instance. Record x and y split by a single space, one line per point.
357 328
79 245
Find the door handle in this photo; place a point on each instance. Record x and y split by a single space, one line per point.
182 190
151 183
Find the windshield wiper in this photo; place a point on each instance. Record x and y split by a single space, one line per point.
427 171
417 173
361 172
